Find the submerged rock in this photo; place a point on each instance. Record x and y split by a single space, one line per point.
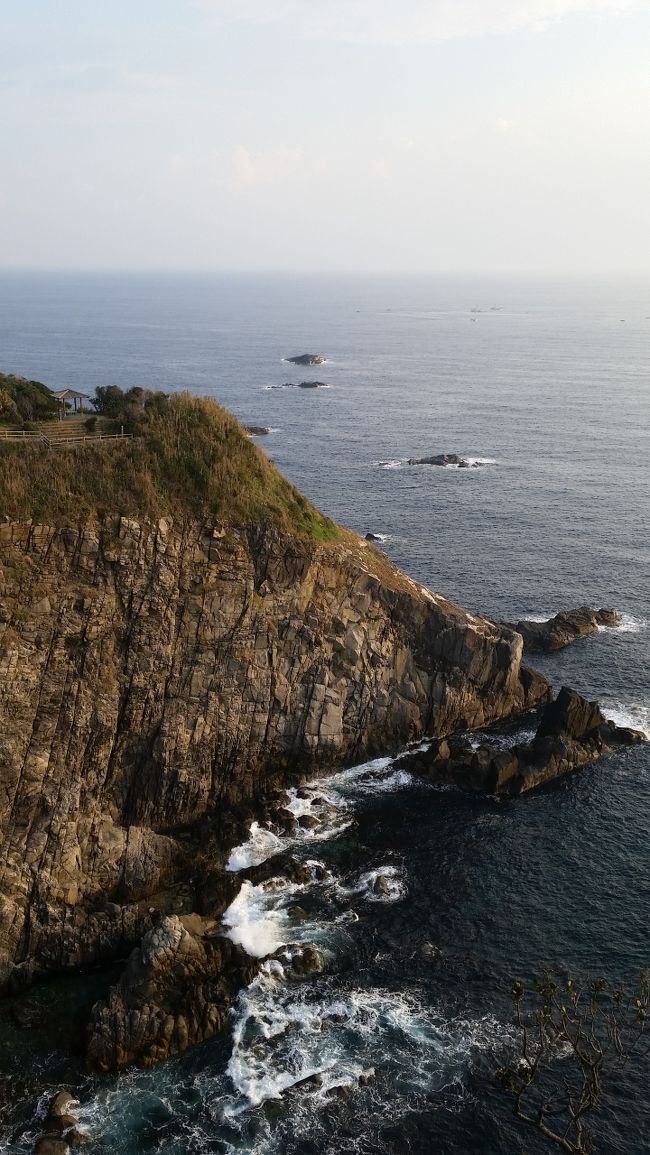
302 385
564 628
571 733
445 459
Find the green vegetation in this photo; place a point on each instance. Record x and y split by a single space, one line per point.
22 402
188 458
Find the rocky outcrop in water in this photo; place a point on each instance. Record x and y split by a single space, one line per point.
445 459
155 677
565 628
307 359
60 1130
572 732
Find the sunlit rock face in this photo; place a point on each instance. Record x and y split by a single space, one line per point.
153 677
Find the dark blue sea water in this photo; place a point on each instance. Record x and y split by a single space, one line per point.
550 382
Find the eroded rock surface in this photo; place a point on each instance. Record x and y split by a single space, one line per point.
565 628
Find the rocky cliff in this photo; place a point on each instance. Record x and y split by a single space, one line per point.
153 675
181 633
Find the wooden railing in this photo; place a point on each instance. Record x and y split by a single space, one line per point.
36 435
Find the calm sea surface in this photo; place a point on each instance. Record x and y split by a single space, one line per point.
550 383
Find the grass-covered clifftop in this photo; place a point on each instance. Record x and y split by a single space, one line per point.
188 458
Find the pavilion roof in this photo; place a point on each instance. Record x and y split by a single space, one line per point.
67 394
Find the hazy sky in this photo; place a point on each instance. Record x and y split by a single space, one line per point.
428 135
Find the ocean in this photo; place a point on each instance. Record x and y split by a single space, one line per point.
546 384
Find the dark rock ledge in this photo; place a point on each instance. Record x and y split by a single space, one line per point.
565 628
571 733
444 459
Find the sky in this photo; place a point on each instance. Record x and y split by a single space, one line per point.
451 136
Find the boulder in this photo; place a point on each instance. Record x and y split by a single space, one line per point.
258 430
51 1145
304 961
381 886
308 822
62 1105
564 628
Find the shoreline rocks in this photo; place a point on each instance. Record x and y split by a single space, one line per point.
60 1130
257 430
175 992
565 628
572 732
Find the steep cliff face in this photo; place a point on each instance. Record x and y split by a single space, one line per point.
152 675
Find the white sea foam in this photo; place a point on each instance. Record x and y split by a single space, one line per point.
376 776
368 887
627 625
635 715
257 918
326 803
312 1041
261 844
392 464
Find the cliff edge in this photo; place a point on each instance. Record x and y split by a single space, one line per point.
180 632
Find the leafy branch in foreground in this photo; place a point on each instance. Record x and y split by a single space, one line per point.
573 1041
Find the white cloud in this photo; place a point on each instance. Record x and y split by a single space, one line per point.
249 168
504 125
392 21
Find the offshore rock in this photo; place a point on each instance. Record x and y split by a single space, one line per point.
154 678
307 359
175 992
445 459
564 628
572 732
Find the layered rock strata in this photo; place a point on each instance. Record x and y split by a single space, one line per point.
154 677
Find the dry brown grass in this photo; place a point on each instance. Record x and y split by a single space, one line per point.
190 460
